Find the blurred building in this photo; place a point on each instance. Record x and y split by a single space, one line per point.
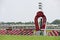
27 26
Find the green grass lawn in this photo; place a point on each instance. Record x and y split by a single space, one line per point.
19 37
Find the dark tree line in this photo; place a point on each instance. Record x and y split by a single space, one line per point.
57 21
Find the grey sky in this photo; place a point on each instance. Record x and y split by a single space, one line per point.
25 10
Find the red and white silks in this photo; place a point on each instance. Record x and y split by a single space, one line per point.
38 15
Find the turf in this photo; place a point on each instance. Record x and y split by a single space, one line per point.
19 37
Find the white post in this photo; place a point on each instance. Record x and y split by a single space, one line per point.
44 31
38 33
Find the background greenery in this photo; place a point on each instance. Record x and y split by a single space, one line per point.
57 21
